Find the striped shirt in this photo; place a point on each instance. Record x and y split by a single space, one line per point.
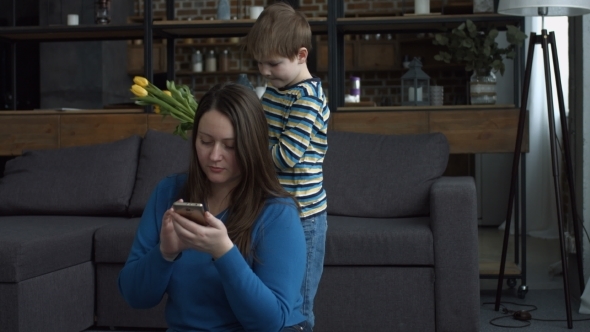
298 124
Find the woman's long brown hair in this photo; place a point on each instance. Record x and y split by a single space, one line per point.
258 180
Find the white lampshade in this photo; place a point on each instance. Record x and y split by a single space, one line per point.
554 7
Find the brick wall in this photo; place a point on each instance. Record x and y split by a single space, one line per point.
380 87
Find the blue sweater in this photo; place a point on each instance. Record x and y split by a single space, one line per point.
227 294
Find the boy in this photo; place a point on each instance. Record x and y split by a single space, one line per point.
297 114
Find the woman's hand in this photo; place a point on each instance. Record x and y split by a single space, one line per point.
170 243
212 239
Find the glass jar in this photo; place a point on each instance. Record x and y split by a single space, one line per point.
102 11
482 87
197 61
224 61
210 62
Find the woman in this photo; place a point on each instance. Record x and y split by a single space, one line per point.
244 270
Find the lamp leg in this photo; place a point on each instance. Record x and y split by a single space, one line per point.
515 162
555 168
545 40
568 161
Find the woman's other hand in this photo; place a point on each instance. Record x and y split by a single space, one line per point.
212 239
170 244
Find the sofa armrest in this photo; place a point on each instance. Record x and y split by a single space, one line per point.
453 212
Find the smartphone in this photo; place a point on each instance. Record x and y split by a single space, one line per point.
191 211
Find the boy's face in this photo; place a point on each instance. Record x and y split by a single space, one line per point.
282 72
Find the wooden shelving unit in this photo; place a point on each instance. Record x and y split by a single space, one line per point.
335 26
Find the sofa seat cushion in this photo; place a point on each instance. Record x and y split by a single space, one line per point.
112 243
382 176
94 180
31 246
379 241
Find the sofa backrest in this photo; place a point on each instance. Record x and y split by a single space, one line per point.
86 180
161 154
382 176
113 179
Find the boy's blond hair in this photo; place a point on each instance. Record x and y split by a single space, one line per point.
281 31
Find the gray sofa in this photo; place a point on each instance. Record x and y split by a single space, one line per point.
401 249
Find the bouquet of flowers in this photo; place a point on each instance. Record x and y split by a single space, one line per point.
177 101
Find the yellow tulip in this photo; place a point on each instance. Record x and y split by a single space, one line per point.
156 109
141 81
168 92
138 90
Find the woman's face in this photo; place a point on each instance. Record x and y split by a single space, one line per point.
216 151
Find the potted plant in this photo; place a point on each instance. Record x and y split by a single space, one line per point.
480 53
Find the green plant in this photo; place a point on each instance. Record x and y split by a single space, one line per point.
478 50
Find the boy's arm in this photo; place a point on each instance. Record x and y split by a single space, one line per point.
302 125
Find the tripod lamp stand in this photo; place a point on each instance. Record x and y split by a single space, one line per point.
545 8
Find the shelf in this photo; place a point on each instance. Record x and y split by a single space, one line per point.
424 108
72 33
73 112
469 129
435 66
46 129
215 73
215 44
492 269
141 72
419 23
220 28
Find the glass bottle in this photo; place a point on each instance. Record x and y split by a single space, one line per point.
210 62
224 61
355 88
102 11
197 60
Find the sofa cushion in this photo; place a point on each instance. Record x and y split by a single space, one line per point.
161 154
379 241
112 243
86 180
34 245
382 176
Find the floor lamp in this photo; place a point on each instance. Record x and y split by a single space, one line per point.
545 8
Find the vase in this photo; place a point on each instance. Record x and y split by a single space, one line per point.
223 11
483 87
483 6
